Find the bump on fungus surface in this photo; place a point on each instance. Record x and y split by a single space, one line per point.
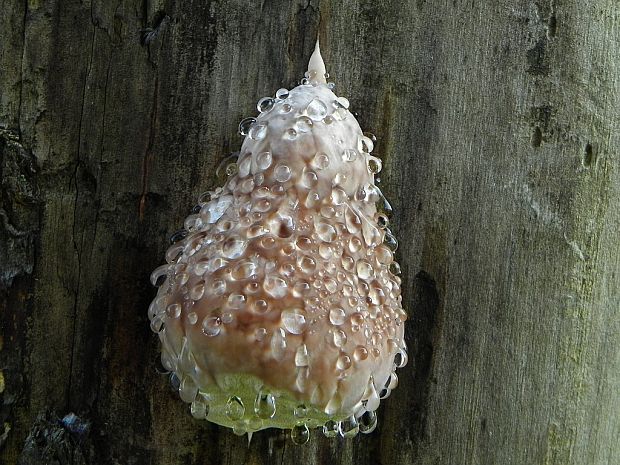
279 305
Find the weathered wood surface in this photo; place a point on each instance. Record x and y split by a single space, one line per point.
499 127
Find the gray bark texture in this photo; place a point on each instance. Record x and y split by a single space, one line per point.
498 124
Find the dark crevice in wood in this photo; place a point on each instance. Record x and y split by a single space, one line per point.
421 338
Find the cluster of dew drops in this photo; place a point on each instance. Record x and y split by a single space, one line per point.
264 406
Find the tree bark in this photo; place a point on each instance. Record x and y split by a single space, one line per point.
498 126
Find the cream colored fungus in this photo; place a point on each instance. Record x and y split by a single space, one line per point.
280 307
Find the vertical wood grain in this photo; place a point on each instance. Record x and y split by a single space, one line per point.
498 127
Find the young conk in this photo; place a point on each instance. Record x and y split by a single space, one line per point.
279 305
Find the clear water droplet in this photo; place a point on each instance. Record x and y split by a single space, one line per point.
316 110
265 405
282 173
331 285
307 264
320 161
244 270
157 324
349 155
355 244
265 104
338 196
395 268
245 125
334 405
340 114
263 160
275 286
374 165
300 434
390 241
240 429
401 358
371 136
303 124
312 199
343 362
261 306
349 427
197 291
244 166
236 301
188 389
309 179
326 232
341 102
235 408
301 411
233 247
216 208
301 381
258 131
339 338
360 353
290 134
304 243
164 363
218 287
301 356
371 234
192 318
301 288
392 381
200 407
286 108
231 169
201 267
282 93
178 236
367 422
278 344
182 278
384 255
211 326
173 311
339 179
337 316
260 334
364 269
330 429
365 144
175 382
294 321
159 276
371 396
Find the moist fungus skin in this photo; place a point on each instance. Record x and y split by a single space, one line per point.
280 303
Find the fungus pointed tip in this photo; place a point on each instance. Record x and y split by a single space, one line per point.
316 66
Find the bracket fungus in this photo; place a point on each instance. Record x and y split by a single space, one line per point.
280 305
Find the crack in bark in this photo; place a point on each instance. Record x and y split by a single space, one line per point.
21 77
103 128
78 249
148 154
